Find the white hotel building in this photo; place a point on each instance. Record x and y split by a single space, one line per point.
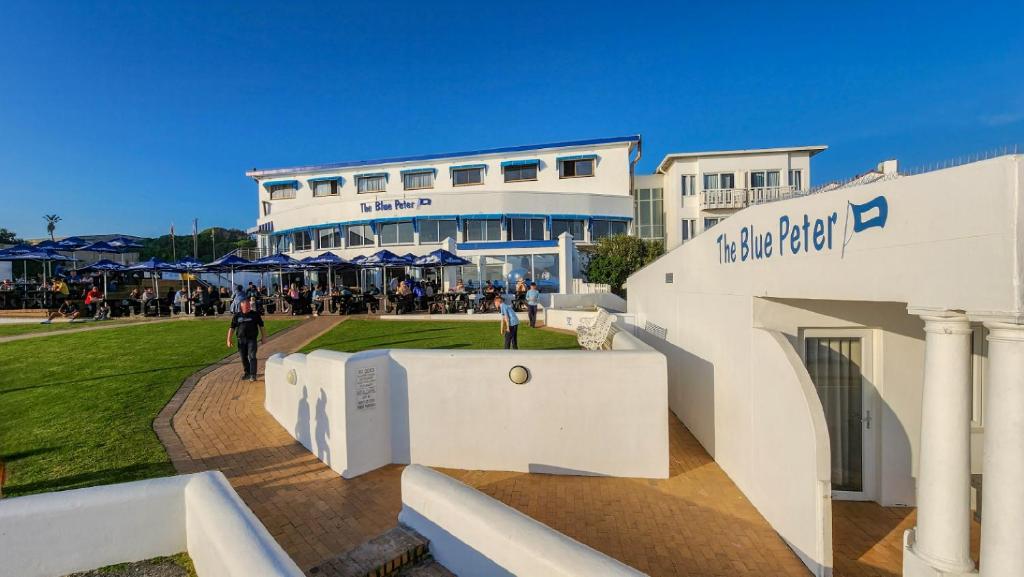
506 208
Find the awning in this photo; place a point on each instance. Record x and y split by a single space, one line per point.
531 162
291 183
577 157
372 175
337 179
419 170
468 167
438 217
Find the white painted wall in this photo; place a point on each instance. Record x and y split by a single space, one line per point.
934 251
473 534
55 534
459 409
609 301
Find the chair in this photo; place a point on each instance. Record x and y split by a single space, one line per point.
592 333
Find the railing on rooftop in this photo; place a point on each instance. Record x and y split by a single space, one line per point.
743 197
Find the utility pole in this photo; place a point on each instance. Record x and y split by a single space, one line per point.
195 238
213 241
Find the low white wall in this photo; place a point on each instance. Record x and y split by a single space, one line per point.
55 534
569 319
596 413
609 301
473 534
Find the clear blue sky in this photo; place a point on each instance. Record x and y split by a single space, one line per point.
123 117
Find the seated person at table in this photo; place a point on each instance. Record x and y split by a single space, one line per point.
317 298
148 296
6 285
520 287
489 289
459 287
251 291
67 310
181 301
403 298
60 289
132 301
171 293
92 301
217 305
102 310
420 294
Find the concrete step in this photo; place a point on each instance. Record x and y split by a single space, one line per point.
427 568
383 555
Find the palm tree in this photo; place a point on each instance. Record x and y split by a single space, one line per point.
51 223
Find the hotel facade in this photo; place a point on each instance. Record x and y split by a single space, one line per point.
507 209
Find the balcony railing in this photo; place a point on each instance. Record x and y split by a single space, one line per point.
742 197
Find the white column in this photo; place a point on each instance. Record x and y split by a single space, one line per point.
943 532
566 252
1002 529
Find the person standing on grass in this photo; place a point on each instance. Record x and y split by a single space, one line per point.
532 299
509 323
247 324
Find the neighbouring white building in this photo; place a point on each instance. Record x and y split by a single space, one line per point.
865 342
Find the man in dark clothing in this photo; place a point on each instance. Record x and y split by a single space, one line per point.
247 324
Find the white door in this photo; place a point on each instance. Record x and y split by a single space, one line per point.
841 365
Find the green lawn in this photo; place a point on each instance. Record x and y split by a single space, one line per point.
359 335
10 330
77 410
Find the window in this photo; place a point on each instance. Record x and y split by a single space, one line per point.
721 181
650 218
325 187
395 233
371 183
764 179
437 230
710 222
689 228
467 176
482 230
526 228
266 208
359 235
302 240
796 179
577 168
573 227
689 184
603 228
418 180
521 173
281 191
281 243
328 238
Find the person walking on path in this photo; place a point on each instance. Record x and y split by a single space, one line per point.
247 324
509 323
532 299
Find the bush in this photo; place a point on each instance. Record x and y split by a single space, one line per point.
619 256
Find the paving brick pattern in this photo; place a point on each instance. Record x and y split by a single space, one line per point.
694 523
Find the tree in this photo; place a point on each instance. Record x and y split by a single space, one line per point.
51 223
227 240
619 256
9 237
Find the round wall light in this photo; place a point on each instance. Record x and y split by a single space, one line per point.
519 375
293 377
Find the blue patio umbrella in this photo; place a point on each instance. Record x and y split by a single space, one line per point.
100 246
43 255
71 243
124 244
17 249
189 265
50 244
440 258
105 266
229 263
153 265
273 262
330 260
383 259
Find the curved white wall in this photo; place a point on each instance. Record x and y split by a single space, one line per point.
473 534
54 534
591 413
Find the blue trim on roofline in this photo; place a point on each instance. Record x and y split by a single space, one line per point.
424 157
506 244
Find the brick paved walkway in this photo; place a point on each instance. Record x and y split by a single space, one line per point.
694 523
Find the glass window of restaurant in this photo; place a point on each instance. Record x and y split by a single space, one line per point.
359 235
482 230
573 227
526 229
602 228
392 233
650 218
434 231
329 238
302 240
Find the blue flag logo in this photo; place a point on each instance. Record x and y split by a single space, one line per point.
871 214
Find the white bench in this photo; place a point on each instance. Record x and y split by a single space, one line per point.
592 333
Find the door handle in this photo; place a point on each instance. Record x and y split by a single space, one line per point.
867 419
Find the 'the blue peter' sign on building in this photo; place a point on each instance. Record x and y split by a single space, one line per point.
801 235
397 204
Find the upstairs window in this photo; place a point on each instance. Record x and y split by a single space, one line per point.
689 184
526 228
577 167
417 179
325 187
392 233
433 231
764 179
482 230
573 227
266 208
281 191
467 175
796 179
520 170
720 181
371 182
359 235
